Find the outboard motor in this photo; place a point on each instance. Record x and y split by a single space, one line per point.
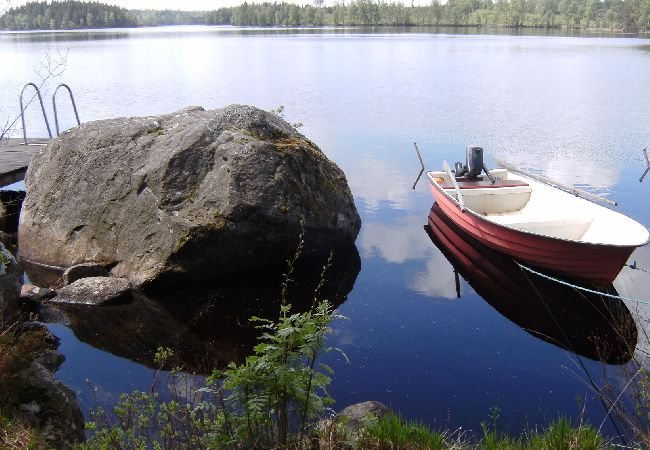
474 163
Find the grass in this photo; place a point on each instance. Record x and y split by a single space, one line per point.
561 434
15 434
391 432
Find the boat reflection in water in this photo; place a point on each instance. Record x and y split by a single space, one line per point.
591 325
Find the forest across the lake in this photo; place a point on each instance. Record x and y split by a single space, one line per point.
628 15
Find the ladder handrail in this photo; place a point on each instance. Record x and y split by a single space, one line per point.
22 111
74 106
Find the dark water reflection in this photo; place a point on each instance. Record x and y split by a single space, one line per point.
64 36
584 323
193 31
207 327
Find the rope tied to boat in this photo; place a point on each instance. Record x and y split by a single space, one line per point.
582 288
635 267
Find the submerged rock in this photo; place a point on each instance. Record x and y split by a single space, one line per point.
199 193
94 291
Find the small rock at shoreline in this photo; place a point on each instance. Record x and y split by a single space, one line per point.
94 291
356 415
34 294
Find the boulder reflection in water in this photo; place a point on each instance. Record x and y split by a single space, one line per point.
590 325
208 326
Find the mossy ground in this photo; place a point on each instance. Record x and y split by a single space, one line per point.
16 434
18 349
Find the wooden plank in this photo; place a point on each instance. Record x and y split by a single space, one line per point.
15 157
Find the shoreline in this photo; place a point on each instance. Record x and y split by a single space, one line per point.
554 31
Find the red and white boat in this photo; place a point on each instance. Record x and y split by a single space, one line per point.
537 223
570 318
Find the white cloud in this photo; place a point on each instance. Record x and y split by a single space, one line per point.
396 243
404 241
437 280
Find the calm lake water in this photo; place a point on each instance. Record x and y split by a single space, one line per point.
574 108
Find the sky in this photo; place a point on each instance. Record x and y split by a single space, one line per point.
194 4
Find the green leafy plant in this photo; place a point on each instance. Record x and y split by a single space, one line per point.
269 400
274 394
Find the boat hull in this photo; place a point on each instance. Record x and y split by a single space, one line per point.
594 265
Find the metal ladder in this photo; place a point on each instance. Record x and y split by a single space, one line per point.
40 100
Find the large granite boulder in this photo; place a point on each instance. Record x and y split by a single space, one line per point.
199 193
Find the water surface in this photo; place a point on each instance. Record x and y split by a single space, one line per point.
574 108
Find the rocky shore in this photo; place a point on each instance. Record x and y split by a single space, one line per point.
29 389
120 205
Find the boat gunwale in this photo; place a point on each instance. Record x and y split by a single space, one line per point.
539 235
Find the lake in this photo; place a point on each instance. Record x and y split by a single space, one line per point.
576 109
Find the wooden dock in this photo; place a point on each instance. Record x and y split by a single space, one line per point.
15 157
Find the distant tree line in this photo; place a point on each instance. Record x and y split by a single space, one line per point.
63 15
628 15
72 14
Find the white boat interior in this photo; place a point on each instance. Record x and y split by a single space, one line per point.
524 204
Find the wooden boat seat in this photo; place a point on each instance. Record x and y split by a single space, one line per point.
483 197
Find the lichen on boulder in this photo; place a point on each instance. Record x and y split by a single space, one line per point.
200 194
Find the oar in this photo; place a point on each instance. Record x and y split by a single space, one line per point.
647 161
461 203
542 179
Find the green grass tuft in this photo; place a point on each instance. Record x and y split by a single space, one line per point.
391 432
562 435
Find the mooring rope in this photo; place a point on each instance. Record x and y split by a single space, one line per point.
570 347
575 286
